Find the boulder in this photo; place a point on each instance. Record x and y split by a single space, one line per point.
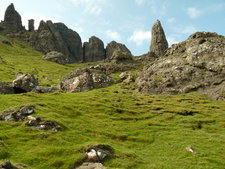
12 20
42 89
121 57
94 50
7 165
159 43
84 80
40 124
17 113
24 83
114 46
91 165
5 42
57 37
6 88
197 64
126 77
56 57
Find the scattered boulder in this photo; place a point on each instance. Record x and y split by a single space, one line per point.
42 89
12 20
57 57
126 77
57 37
6 88
84 80
40 124
18 113
197 64
24 83
94 50
114 46
121 57
7 165
159 43
5 42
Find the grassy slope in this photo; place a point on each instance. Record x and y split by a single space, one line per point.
145 131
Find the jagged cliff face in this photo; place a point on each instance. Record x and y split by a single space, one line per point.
57 37
114 46
159 43
12 20
94 50
197 64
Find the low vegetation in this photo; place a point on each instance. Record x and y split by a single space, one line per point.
145 131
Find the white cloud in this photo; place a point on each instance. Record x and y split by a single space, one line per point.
113 35
139 36
188 30
194 13
90 6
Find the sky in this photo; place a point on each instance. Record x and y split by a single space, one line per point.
126 21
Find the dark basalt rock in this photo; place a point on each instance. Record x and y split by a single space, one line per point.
94 50
114 46
6 88
57 37
12 20
159 43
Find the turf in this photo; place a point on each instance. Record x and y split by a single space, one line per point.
146 131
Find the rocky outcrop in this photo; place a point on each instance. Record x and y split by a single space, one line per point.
30 25
56 57
94 50
17 113
121 57
83 80
5 42
6 88
57 37
197 64
24 83
159 43
12 20
126 77
114 46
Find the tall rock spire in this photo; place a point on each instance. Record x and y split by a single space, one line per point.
12 20
159 43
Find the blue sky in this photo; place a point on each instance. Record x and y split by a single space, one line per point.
126 21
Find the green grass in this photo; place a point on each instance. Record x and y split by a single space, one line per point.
146 131
21 58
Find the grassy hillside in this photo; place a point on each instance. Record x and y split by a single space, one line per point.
146 131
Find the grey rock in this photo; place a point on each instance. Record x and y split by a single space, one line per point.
42 89
197 64
159 43
84 80
126 77
121 57
17 113
30 25
6 88
114 46
57 37
24 83
91 165
7 165
56 57
5 42
12 20
94 50
40 124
